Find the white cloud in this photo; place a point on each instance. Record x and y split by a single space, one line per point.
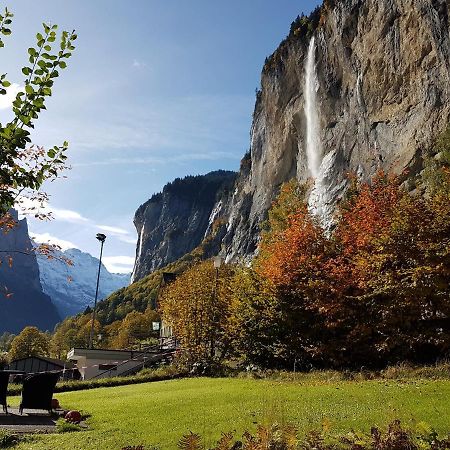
113 230
181 124
11 92
67 215
122 260
119 264
28 207
128 239
47 238
138 64
195 156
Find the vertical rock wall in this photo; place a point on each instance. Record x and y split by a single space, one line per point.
22 300
384 94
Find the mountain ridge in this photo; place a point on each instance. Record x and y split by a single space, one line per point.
175 221
71 287
22 298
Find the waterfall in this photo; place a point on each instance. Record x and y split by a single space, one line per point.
320 168
313 144
139 253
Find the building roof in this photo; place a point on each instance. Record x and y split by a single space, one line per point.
56 362
100 353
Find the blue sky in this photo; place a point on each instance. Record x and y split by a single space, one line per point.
157 89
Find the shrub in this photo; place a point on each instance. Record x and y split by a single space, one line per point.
8 440
277 437
66 427
145 376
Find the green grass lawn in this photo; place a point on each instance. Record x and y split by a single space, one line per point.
158 414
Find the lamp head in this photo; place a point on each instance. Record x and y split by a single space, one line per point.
101 237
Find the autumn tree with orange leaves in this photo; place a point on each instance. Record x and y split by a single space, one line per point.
391 274
292 255
374 292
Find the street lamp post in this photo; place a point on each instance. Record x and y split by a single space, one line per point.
101 237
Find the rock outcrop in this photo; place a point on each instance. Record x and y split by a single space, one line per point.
22 299
381 88
175 221
383 93
72 287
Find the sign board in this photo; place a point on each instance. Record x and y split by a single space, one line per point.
155 326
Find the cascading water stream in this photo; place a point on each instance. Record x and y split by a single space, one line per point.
313 144
319 167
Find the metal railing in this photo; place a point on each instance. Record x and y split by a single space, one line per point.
149 355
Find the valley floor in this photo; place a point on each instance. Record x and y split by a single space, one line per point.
158 414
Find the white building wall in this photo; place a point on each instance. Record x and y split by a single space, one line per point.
88 362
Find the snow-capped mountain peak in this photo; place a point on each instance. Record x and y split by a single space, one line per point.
72 286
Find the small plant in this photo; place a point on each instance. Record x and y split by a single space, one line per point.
8 440
275 437
285 437
62 426
191 441
396 438
140 447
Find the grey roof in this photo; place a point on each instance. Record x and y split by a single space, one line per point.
56 362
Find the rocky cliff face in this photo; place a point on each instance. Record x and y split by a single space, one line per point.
375 76
175 221
72 287
22 299
383 95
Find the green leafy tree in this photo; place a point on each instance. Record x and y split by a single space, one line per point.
23 166
30 342
198 307
135 328
257 317
5 341
73 332
437 165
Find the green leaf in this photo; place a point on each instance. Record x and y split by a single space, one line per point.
6 83
26 71
24 119
29 89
